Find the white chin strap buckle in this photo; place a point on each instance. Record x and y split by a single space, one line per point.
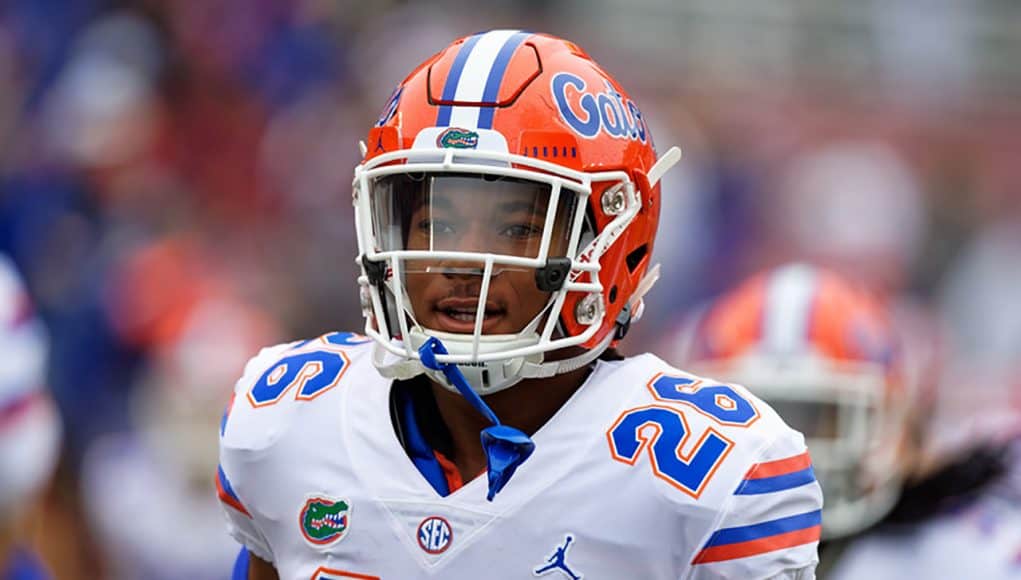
484 377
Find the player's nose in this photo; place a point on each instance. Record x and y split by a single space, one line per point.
477 237
474 238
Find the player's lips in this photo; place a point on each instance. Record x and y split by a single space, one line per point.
457 315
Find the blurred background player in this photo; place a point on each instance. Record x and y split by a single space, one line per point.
29 432
198 334
960 516
824 354
860 383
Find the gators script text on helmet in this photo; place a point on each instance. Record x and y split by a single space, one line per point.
511 112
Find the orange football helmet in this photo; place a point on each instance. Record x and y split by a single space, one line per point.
524 118
824 354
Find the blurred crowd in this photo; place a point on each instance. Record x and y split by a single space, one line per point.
175 193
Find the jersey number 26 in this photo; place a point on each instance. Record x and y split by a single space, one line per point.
663 430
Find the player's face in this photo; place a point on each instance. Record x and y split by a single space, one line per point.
471 215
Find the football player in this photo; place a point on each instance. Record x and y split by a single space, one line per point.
824 354
842 366
484 426
29 428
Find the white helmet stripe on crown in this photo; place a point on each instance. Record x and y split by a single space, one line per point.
476 77
787 312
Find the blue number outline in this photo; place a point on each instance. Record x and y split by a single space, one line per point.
309 371
664 448
684 390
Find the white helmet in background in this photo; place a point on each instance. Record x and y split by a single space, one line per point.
29 425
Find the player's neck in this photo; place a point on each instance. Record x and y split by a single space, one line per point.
526 406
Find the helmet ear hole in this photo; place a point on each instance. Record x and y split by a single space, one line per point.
613 295
634 259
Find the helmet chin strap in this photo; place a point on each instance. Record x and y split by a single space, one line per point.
506 447
548 369
484 378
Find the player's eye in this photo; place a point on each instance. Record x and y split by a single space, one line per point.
521 231
436 227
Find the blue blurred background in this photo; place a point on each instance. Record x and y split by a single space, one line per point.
175 190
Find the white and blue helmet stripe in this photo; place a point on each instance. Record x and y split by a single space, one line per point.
475 77
787 312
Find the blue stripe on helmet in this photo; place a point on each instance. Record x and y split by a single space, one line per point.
453 78
495 78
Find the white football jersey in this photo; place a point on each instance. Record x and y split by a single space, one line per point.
981 541
646 472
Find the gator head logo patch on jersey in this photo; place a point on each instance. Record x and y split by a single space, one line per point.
456 138
324 520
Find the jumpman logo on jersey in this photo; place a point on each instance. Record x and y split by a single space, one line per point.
558 562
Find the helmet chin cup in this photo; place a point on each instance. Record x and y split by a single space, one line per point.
845 516
485 378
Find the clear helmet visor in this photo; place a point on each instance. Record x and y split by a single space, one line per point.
468 258
464 249
438 219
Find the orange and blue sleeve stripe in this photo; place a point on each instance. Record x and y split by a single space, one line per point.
226 493
755 539
779 475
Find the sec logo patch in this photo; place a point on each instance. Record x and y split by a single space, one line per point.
435 535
